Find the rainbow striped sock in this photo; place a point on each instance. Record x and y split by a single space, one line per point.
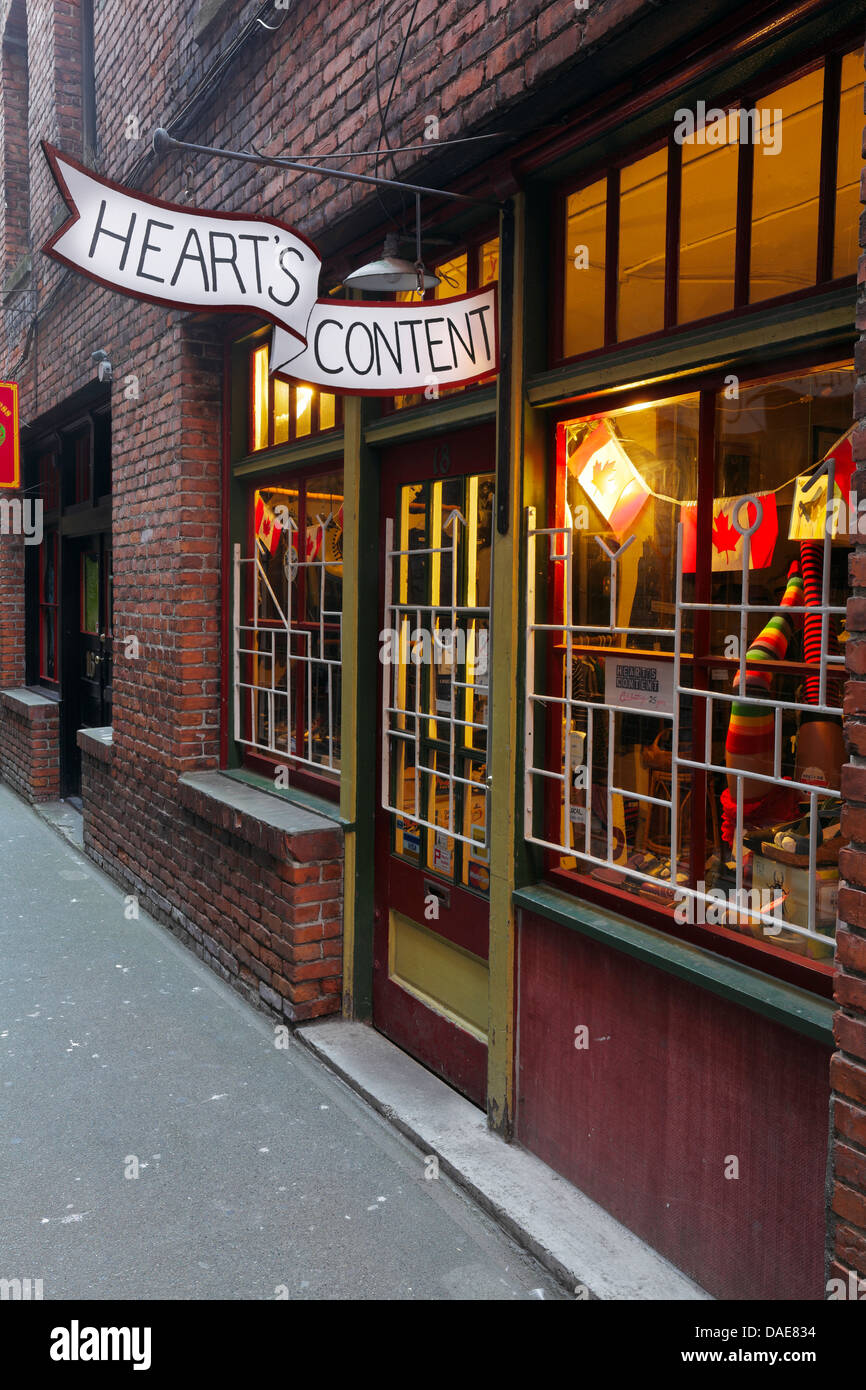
750 730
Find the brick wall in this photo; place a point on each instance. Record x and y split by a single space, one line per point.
29 741
848 1068
262 908
13 136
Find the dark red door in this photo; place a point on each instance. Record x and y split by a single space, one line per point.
430 986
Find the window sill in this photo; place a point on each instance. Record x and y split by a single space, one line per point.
314 448
282 828
794 1008
476 406
292 795
745 338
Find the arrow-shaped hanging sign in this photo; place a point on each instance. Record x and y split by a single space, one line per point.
228 262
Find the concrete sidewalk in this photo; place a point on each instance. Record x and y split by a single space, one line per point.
298 1172
261 1175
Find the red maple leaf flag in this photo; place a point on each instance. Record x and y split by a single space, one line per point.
726 542
725 536
268 529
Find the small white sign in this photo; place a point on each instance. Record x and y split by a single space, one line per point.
632 682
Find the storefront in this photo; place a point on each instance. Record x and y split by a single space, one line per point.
613 946
678 907
504 716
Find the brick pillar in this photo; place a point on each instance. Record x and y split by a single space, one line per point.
847 1224
166 466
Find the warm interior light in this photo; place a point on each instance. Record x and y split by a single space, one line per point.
305 396
260 398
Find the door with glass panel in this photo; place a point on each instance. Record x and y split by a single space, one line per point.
430 988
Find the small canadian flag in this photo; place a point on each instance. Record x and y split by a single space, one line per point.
268 529
609 478
726 543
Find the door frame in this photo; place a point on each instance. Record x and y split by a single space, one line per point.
413 1025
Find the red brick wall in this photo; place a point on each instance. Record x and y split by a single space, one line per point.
262 909
29 735
847 1242
14 207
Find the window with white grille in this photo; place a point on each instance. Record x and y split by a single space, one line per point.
685 659
288 601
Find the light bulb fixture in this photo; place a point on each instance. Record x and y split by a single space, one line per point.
392 273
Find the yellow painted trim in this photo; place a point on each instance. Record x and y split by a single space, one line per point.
504 761
349 700
446 978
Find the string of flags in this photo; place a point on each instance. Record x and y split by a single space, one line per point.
617 489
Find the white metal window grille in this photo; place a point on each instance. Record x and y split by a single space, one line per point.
417 723
560 546
287 669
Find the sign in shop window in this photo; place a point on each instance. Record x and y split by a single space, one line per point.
685 666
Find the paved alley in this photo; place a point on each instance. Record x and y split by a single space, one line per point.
259 1174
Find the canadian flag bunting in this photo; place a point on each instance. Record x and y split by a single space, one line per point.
609 478
268 529
726 541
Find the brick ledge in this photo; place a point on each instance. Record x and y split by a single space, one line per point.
288 831
96 743
27 704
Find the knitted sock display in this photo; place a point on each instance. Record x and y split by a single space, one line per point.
751 728
811 562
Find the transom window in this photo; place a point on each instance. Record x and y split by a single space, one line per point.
282 412
459 274
740 204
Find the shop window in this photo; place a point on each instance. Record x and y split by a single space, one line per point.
48 608
641 274
846 230
281 411
288 633
741 196
684 678
785 191
708 229
586 232
461 274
